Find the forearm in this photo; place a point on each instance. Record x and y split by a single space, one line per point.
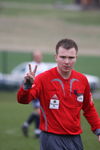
24 96
92 117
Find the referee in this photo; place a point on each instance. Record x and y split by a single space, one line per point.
63 93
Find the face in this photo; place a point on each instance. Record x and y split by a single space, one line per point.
37 57
66 59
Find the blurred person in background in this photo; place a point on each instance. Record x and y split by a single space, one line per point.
35 115
96 3
63 93
89 4
77 2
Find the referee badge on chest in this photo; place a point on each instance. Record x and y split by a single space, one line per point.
80 98
54 103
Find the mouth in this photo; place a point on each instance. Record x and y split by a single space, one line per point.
66 67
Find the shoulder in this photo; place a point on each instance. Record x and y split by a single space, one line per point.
80 76
46 74
44 66
32 63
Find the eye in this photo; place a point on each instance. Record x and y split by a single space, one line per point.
63 57
71 57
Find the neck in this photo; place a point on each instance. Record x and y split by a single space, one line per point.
65 75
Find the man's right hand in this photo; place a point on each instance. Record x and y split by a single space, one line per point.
30 76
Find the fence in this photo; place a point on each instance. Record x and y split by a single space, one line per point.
9 59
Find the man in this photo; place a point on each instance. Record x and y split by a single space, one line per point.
35 115
63 93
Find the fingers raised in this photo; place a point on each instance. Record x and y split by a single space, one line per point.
30 68
34 71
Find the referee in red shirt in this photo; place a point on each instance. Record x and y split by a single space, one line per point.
63 93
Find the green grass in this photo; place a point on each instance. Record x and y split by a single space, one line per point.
38 1
88 64
12 116
73 17
83 18
8 60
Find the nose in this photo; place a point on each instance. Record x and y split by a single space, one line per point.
67 60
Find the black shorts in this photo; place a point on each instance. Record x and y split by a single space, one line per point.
51 141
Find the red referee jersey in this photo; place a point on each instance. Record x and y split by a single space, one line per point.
61 102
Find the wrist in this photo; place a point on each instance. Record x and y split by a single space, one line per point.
27 86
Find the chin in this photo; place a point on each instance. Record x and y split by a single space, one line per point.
66 71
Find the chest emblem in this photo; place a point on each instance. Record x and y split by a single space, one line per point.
54 102
80 98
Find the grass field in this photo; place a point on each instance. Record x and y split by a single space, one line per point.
38 1
12 115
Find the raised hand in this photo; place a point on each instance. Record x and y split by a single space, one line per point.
29 78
